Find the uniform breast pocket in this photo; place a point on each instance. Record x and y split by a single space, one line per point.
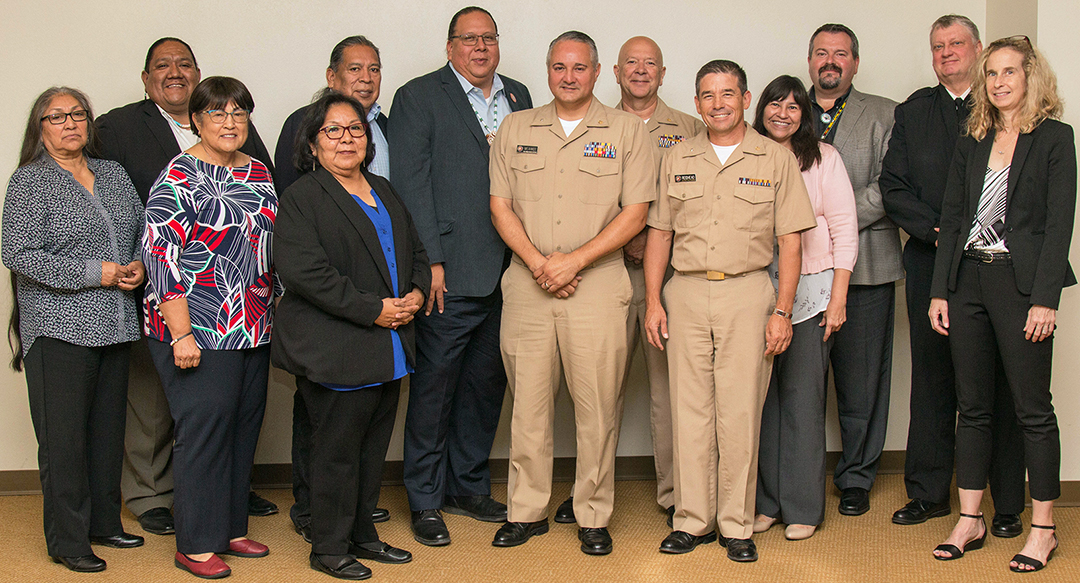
687 204
527 176
600 181
752 208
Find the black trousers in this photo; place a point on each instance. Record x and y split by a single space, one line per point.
455 399
351 432
862 369
987 316
300 513
78 396
217 410
928 467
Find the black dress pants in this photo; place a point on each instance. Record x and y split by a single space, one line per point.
928 467
987 315
78 398
217 408
350 434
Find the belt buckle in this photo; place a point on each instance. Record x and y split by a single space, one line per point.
988 258
714 275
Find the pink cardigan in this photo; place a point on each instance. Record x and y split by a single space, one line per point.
835 241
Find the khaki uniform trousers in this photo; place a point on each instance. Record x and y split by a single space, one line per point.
585 337
719 378
656 366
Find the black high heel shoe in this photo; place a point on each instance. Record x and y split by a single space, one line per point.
971 545
1026 560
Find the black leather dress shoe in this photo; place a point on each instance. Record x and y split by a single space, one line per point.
157 521
259 506
84 564
119 541
380 515
564 514
854 501
303 530
380 552
1007 526
513 534
918 511
740 550
680 542
483 508
429 529
670 516
340 566
594 541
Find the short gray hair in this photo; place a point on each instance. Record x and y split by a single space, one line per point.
579 37
951 19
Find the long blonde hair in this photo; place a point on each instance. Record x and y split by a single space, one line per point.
1041 99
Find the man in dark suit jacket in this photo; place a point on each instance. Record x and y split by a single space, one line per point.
356 70
143 137
913 178
441 128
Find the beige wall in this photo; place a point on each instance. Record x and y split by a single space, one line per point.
281 53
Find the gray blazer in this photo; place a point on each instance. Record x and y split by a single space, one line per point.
440 169
862 137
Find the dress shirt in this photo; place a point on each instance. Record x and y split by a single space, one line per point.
486 107
380 163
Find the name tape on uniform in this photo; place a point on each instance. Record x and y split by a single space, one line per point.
599 150
526 149
686 178
756 182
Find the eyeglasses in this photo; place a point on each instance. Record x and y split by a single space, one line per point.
219 115
470 40
79 115
338 132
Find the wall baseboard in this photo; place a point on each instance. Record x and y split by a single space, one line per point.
27 482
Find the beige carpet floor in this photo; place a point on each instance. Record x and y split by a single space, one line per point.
867 548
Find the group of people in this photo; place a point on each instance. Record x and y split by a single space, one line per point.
474 242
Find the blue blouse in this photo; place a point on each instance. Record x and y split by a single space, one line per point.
380 219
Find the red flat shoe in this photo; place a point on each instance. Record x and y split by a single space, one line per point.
247 548
212 568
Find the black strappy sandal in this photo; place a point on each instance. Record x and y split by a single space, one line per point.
1026 560
971 545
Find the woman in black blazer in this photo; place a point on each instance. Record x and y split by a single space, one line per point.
355 273
1002 260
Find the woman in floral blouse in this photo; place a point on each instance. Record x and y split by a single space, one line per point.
209 308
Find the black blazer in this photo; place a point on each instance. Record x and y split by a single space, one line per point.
439 164
286 172
1039 217
916 166
139 138
327 254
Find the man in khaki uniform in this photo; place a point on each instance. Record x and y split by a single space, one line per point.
571 183
724 196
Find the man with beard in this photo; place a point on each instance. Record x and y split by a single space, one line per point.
858 125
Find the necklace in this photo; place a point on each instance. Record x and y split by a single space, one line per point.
489 133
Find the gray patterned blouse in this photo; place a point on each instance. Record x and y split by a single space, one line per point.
55 235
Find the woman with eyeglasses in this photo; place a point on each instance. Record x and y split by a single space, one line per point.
70 238
1002 260
209 309
356 273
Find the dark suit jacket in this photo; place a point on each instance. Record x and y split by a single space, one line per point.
327 254
440 167
1041 201
287 172
917 163
138 137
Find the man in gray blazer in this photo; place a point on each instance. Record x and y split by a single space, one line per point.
440 132
859 125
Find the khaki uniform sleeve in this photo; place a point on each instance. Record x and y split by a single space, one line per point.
660 209
498 169
639 169
794 212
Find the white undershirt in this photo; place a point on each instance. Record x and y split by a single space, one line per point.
724 152
184 138
569 126
962 96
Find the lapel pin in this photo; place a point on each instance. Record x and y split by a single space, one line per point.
513 98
